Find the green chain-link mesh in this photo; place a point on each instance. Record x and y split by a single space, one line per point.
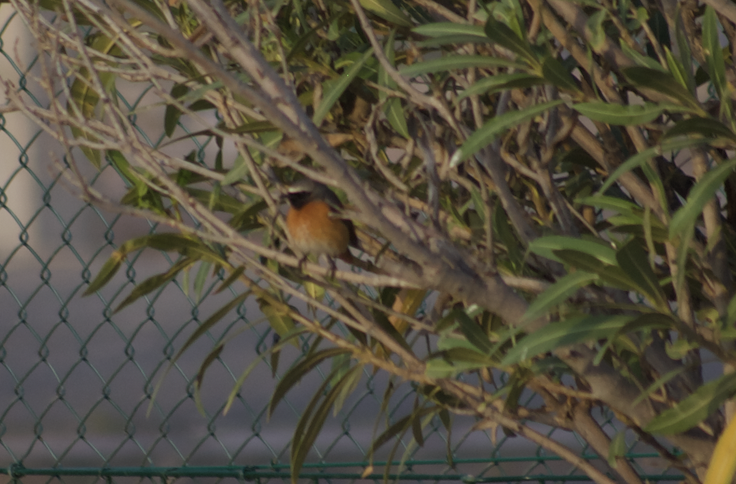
76 380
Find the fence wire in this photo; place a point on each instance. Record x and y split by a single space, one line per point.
77 379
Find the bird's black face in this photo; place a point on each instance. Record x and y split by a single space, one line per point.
299 199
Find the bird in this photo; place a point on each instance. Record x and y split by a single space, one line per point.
314 223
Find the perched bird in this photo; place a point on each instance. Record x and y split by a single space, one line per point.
314 223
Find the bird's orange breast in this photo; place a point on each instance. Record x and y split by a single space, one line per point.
314 231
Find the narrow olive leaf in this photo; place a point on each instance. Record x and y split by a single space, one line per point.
399 428
650 321
555 73
336 89
595 26
234 276
487 133
634 262
349 385
640 59
641 158
449 63
201 279
472 331
387 11
462 362
392 106
211 357
198 333
305 435
581 260
616 204
659 383
501 82
278 317
545 247
236 173
298 453
713 52
619 114
416 427
450 29
295 374
617 448
694 408
703 191
276 348
557 293
452 40
662 82
173 113
504 36
468 358
171 242
154 282
445 343
107 272
676 68
683 47
564 333
706 127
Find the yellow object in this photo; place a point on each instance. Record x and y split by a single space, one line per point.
723 464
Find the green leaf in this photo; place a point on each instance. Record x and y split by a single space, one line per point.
387 11
486 134
295 374
504 36
643 157
173 113
198 333
683 47
453 62
278 317
595 25
713 52
558 292
435 42
336 89
617 448
695 408
703 191
545 246
211 357
634 262
676 68
662 82
706 127
619 114
450 29
107 272
234 276
564 333
154 282
640 59
236 173
581 261
501 82
659 383
472 331
312 420
555 73
616 204
392 107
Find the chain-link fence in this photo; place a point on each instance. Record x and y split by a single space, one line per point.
77 379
